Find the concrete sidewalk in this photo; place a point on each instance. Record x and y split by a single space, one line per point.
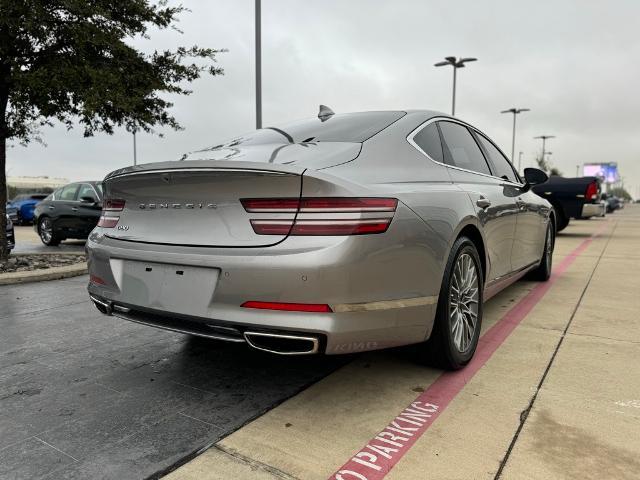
560 398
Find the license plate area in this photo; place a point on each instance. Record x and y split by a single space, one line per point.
168 287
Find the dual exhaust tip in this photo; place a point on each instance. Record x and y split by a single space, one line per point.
278 343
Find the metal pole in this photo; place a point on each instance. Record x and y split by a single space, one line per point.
520 162
135 156
544 139
513 139
453 103
577 170
258 67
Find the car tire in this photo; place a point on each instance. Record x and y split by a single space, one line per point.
543 270
455 335
561 220
45 232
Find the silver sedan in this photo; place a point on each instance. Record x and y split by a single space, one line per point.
336 234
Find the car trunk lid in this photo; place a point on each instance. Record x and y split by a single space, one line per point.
197 203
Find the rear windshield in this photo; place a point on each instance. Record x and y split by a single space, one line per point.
346 127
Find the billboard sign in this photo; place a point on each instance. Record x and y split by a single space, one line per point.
608 172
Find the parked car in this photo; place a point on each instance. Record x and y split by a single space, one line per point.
71 211
11 237
572 198
336 234
25 205
613 203
12 211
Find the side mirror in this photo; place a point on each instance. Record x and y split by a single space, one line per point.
90 200
534 176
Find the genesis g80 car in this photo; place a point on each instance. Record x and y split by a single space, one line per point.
336 234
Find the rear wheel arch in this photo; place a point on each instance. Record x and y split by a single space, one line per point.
473 233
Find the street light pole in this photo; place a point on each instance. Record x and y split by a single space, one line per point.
258 65
453 100
520 161
515 112
544 142
456 64
135 156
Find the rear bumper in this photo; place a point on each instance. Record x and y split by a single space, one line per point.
593 210
382 288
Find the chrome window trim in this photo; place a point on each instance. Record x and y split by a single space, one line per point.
417 130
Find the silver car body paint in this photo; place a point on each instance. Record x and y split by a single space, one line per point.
196 257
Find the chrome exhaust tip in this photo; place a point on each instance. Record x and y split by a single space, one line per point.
102 305
282 344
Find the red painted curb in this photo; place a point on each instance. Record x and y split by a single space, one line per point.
385 450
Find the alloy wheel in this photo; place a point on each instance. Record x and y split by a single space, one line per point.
46 230
463 302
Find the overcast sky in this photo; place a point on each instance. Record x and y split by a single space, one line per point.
573 63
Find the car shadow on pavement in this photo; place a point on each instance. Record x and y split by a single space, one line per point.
574 235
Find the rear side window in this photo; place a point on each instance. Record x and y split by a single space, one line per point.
67 193
428 139
463 151
86 190
502 166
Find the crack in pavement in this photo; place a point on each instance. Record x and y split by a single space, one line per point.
524 415
255 463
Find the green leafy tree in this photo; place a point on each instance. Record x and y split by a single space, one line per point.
545 166
72 61
621 193
542 163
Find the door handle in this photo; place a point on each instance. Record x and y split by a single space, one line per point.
483 202
74 209
51 207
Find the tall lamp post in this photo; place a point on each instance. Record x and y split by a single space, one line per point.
258 66
544 143
515 112
456 64
135 152
520 161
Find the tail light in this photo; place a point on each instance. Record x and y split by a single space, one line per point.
110 208
322 216
96 280
592 191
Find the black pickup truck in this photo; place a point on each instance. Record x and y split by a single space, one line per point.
572 198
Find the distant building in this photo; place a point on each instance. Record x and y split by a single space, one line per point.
35 183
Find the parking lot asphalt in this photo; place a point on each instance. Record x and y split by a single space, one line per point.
27 241
88 396
553 393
